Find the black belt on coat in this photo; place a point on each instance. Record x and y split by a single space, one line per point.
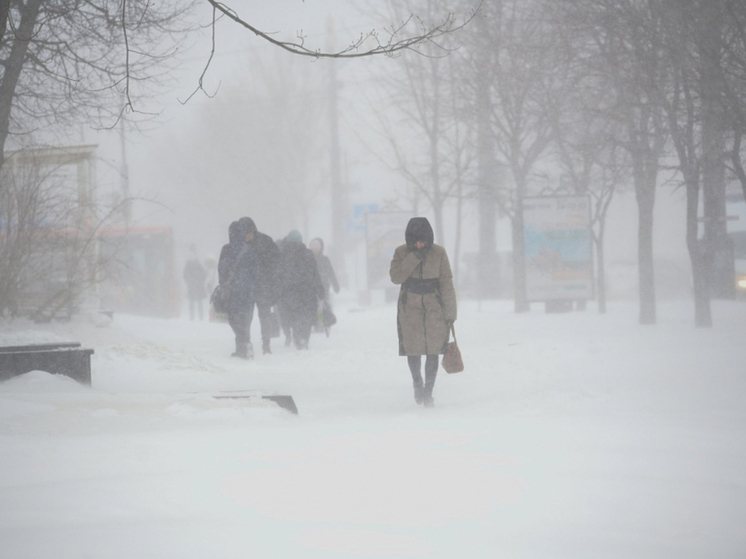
422 286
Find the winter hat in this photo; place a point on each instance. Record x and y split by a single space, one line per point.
235 232
318 241
419 229
294 237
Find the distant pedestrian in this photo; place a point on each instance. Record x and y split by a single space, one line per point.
328 281
266 289
237 269
284 324
300 289
427 303
195 277
326 270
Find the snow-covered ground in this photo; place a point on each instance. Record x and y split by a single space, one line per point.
568 436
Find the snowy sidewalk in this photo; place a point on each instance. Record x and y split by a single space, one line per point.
567 436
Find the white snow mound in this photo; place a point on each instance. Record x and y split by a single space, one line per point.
40 382
26 337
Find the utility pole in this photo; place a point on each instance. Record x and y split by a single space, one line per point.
338 190
489 268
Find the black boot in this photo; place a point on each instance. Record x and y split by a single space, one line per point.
427 399
265 348
431 371
419 392
246 352
415 362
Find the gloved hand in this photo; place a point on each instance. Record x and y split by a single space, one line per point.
421 253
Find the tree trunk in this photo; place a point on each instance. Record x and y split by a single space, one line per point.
716 241
519 259
735 157
437 205
702 311
601 270
707 254
488 279
646 267
457 247
4 12
14 66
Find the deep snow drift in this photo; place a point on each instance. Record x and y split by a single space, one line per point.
568 436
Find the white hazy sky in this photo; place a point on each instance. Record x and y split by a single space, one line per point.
169 162
156 164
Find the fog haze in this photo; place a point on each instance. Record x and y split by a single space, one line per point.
256 142
286 417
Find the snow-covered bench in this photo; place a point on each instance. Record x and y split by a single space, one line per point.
67 359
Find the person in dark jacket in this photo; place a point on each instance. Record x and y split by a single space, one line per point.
284 325
427 303
195 277
265 290
328 280
237 269
326 270
300 288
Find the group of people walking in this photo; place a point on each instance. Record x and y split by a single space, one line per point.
282 279
287 279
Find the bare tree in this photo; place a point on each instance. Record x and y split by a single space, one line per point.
622 52
519 66
592 161
71 60
432 143
392 40
477 62
586 136
732 55
49 237
462 154
67 61
703 106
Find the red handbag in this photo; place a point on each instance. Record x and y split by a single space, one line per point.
452 362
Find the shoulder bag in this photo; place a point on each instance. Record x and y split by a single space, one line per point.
221 295
452 362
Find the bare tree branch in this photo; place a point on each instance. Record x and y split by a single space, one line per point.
389 47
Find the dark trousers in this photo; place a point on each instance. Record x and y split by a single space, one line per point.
240 321
431 371
301 328
282 314
299 320
263 311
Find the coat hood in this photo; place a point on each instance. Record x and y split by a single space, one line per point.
320 242
236 232
248 224
419 229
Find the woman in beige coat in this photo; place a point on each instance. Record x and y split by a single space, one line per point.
427 303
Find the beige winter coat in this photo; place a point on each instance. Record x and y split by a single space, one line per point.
422 319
